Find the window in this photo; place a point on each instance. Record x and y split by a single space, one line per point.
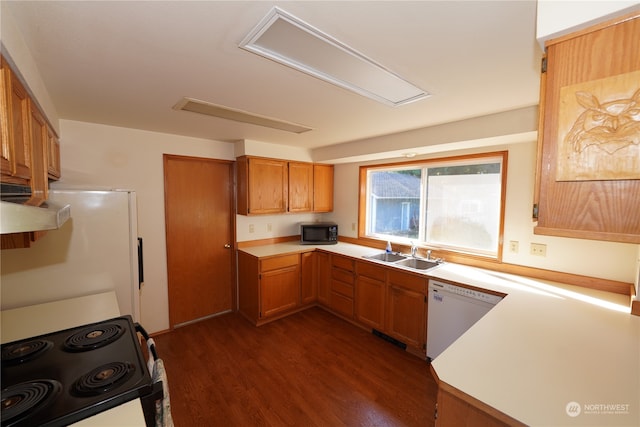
453 204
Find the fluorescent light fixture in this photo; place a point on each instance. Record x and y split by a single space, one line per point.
294 43
220 111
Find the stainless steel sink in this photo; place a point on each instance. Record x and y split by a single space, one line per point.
386 257
417 263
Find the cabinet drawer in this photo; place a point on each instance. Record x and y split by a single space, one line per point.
408 281
343 276
342 288
342 262
373 271
278 262
341 304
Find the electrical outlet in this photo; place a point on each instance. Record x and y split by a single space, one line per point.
252 228
353 226
538 249
514 246
269 227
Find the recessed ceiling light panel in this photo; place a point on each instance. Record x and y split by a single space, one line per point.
292 42
222 112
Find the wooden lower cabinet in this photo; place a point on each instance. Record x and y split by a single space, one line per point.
323 263
457 409
370 294
308 278
269 288
407 309
342 284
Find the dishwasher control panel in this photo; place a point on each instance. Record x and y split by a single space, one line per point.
465 292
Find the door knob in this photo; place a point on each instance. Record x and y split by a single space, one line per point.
227 246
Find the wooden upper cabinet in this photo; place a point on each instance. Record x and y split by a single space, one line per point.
262 185
588 171
53 155
39 148
16 152
322 188
272 186
300 187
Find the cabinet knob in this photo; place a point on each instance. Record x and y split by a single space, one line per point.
227 246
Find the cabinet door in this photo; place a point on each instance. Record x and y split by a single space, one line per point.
267 186
308 278
324 277
370 302
5 145
279 290
588 169
322 188
407 316
39 145
16 147
300 187
53 154
370 294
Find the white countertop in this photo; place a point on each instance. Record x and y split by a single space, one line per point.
543 347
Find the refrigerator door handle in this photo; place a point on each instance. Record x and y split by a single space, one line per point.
140 263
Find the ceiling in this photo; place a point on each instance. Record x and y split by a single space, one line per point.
127 63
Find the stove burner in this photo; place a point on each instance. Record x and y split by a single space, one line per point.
23 399
103 378
93 337
24 351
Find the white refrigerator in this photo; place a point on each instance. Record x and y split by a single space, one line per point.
96 250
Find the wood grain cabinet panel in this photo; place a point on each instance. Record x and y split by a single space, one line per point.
273 186
588 170
324 277
407 309
308 278
16 146
262 185
53 155
370 294
300 187
322 188
268 288
342 282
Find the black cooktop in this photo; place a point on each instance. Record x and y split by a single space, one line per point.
63 377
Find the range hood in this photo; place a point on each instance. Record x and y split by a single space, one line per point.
16 217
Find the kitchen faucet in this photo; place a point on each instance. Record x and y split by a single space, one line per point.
414 248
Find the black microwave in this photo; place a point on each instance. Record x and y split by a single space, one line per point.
318 233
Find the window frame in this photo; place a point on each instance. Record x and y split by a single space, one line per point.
442 251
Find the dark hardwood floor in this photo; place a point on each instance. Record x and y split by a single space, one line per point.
309 369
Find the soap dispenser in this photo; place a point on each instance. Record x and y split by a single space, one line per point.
388 250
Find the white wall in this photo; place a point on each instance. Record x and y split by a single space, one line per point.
607 260
556 18
99 155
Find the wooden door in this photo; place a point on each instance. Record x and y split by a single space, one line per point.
199 222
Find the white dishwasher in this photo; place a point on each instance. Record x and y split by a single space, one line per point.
451 311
